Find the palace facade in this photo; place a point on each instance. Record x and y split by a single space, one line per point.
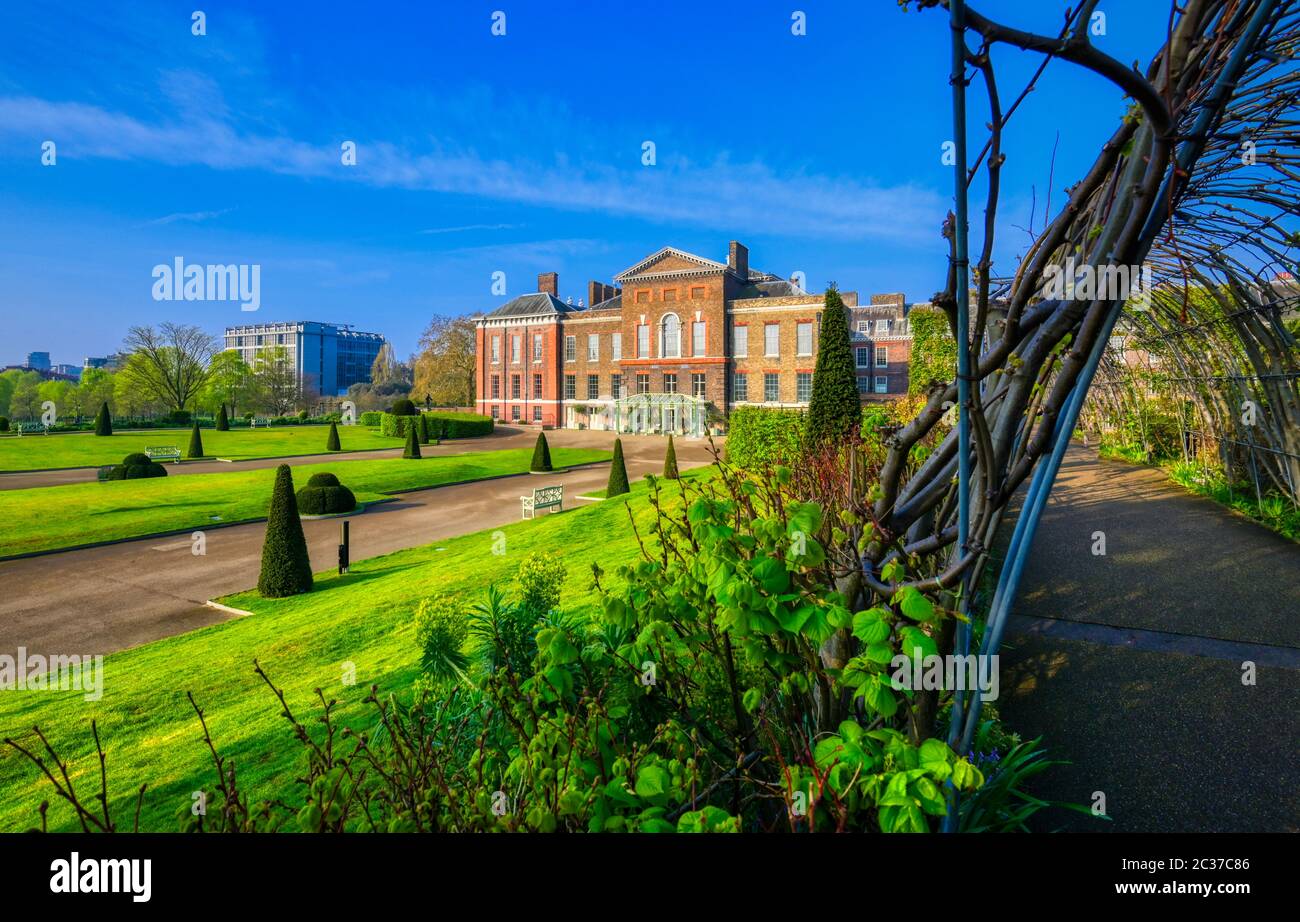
673 346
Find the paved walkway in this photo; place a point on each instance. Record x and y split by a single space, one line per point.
1130 664
108 598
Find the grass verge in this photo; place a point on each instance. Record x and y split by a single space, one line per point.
48 518
85 449
150 733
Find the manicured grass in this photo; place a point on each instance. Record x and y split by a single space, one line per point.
85 449
46 518
151 735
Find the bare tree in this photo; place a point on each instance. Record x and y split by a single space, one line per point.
444 367
172 364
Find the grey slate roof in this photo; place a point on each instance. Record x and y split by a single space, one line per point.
531 305
779 288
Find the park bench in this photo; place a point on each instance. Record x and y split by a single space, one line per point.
163 453
24 428
262 421
543 498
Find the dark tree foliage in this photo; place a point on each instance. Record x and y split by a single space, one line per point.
223 421
835 411
412 444
103 421
617 472
332 444
670 461
196 443
541 454
286 566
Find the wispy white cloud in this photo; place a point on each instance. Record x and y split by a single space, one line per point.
189 217
463 228
721 194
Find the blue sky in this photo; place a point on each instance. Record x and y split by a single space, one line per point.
476 153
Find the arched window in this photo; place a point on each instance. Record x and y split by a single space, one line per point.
670 337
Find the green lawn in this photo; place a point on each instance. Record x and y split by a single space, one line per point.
150 734
45 518
85 449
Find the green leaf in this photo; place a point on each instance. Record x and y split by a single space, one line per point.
914 605
652 781
871 626
917 643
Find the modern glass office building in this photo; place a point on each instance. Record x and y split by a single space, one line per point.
327 357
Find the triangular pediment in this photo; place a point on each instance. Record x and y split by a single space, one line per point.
670 260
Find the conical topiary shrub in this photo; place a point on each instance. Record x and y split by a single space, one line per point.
223 421
103 422
617 472
541 455
670 461
835 408
421 423
286 566
332 444
196 443
412 443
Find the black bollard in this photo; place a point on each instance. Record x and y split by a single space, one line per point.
343 551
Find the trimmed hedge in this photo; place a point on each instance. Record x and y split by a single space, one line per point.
196 443
223 421
461 425
286 565
760 435
670 462
402 407
324 495
136 466
4 423
371 418
412 449
332 443
394 426
541 455
103 421
422 428
617 473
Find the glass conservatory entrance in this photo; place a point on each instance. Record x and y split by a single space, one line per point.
661 414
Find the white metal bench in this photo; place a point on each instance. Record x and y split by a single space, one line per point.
163 453
543 498
263 421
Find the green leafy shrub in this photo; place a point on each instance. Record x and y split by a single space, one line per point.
303 415
223 421
179 417
371 418
403 407
617 473
934 351
332 443
286 565
324 495
763 435
4 423
670 461
541 455
422 428
195 449
103 421
441 631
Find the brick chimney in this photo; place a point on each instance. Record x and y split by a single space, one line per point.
595 293
738 259
548 283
